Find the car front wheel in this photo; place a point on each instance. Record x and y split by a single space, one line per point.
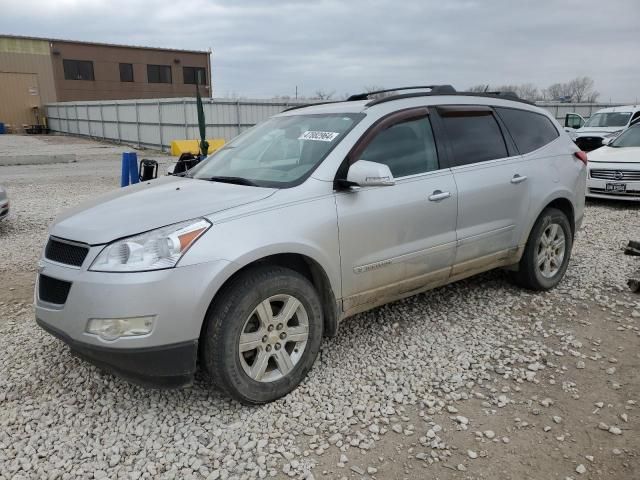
262 334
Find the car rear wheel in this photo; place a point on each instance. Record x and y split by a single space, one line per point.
546 255
262 334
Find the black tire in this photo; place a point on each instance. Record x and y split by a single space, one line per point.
529 275
225 321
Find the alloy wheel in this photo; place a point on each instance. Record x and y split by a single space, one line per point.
551 250
273 338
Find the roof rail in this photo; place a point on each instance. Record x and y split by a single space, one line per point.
504 95
434 90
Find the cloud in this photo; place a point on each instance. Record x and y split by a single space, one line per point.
263 49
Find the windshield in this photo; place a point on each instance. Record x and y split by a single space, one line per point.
613 119
628 138
279 153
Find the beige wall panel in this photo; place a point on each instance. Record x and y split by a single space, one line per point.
19 92
29 56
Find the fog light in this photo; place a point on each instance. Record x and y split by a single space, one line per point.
114 328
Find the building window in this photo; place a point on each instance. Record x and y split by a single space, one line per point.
158 73
126 72
193 75
78 69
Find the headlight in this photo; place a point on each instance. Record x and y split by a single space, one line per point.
154 250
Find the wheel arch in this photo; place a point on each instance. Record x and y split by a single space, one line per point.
565 206
302 263
560 200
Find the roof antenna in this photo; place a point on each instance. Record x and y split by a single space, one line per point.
486 89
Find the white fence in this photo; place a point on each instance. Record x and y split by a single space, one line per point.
559 110
155 123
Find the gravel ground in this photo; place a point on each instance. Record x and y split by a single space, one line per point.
474 380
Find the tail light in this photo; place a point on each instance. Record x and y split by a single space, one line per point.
582 156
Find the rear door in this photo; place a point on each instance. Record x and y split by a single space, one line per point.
396 239
493 193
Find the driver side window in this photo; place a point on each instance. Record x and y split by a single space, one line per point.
407 148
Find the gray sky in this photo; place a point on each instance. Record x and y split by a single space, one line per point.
266 48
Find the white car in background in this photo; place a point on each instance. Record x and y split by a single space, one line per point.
602 126
614 170
4 203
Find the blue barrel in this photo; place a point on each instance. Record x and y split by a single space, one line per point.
1 128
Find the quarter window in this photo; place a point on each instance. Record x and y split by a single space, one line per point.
407 148
158 73
529 130
78 69
126 72
474 137
195 75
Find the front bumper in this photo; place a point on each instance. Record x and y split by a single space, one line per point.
597 187
168 366
177 298
587 143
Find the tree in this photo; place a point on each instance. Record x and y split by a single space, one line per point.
528 91
582 89
324 95
376 88
479 88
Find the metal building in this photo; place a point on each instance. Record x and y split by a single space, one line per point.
37 71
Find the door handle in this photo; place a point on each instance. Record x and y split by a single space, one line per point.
438 195
517 178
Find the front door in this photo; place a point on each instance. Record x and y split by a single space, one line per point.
396 240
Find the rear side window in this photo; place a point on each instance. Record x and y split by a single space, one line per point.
529 130
474 137
407 148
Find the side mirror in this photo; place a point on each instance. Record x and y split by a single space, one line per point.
369 174
573 120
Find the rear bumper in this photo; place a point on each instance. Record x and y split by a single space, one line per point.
168 366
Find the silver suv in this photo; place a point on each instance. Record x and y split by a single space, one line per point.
321 212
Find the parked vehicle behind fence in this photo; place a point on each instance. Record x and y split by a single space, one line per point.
319 213
601 127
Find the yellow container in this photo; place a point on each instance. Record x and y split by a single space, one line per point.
178 147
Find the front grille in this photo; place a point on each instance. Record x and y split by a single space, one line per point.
52 290
587 144
604 191
617 175
67 253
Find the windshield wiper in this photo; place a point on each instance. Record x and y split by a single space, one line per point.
235 180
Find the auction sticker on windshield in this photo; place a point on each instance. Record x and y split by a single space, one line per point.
318 136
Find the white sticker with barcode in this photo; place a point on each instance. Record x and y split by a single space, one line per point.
318 136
